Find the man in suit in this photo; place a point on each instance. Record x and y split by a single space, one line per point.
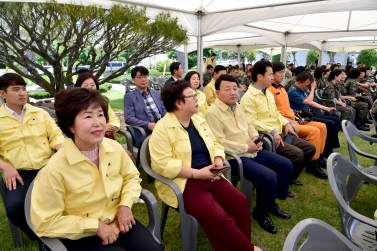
176 71
143 106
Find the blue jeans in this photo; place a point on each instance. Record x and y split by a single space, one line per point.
270 172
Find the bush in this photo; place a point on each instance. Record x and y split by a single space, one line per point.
104 87
40 95
161 64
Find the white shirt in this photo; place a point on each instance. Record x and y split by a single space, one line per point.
19 117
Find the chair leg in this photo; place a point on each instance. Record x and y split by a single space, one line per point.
16 235
187 238
164 215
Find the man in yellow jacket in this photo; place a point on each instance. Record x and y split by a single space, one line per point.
27 136
210 90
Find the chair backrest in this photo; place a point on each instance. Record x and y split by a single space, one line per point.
49 111
320 236
318 93
127 84
340 171
350 131
372 117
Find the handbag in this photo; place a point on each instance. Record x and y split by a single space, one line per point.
304 114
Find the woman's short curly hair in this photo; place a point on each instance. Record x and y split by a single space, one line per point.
69 102
171 92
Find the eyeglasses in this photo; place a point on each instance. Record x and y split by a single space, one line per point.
141 77
193 96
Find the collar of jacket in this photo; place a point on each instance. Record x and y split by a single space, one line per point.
74 155
172 120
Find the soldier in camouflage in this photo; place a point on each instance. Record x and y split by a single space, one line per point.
373 113
331 92
207 76
291 81
353 89
360 106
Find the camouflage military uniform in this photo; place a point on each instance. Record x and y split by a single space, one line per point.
360 107
206 78
331 92
289 83
373 113
322 83
243 79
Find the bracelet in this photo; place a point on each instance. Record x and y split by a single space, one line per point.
192 174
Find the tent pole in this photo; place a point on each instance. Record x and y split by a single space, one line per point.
199 51
186 59
239 56
271 54
283 55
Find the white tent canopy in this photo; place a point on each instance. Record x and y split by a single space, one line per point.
308 24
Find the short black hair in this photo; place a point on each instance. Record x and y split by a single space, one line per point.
291 64
299 69
174 66
9 79
190 74
84 76
209 66
363 69
334 73
303 76
171 92
333 66
213 54
141 69
219 68
224 77
232 68
354 73
259 67
277 66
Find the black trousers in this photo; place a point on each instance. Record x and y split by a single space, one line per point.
333 126
15 201
137 239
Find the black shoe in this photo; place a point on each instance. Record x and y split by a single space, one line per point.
280 213
362 127
43 247
374 136
367 121
322 162
313 168
264 221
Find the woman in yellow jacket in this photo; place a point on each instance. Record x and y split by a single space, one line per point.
87 80
193 78
183 149
85 192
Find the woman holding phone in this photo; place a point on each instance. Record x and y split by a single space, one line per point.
183 149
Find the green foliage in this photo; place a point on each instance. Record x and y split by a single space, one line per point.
276 58
172 55
311 57
68 35
368 57
251 56
161 64
104 87
192 60
40 95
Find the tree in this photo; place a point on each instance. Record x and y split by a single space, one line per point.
276 58
368 57
251 56
311 57
331 55
294 57
172 55
76 35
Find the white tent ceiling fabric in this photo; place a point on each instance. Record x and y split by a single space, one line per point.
244 25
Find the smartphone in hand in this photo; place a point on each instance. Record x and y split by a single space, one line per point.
219 169
259 139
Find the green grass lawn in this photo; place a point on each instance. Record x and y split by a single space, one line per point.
313 200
